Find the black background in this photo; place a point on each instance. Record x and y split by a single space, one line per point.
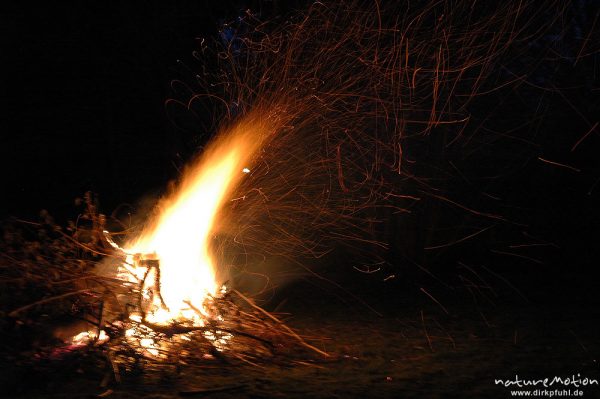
83 92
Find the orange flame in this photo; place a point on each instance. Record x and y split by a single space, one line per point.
180 234
171 258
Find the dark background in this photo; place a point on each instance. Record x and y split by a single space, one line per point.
83 93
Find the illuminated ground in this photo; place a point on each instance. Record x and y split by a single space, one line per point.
385 356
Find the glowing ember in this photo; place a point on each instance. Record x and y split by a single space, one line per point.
89 336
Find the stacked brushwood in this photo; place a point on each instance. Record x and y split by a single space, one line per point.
49 282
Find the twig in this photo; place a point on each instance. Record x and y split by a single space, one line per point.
46 300
114 366
275 319
434 300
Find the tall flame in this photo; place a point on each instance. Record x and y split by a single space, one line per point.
170 261
179 236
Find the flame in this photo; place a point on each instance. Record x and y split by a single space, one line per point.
171 258
180 239
179 236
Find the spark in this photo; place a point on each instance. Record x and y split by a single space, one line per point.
562 165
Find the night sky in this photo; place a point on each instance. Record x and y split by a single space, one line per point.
83 91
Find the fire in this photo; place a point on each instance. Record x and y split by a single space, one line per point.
178 238
170 264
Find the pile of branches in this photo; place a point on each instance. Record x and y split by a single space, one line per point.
239 333
51 291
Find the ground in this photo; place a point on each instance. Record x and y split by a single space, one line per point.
412 349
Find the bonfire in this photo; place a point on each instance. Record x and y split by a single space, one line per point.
329 122
136 316
155 299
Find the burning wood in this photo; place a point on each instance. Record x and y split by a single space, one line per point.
130 323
